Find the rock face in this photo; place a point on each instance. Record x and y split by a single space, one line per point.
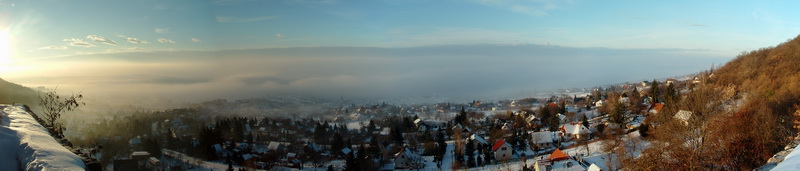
784 160
27 145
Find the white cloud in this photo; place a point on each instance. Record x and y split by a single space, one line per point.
165 40
78 42
530 7
196 40
228 19
54 47
162 30
101 39
133 40
136 41
278 35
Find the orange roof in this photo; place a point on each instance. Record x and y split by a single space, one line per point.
658 107
498 144
557 156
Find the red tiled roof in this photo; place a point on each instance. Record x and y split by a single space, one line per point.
658 107
557 156
498 144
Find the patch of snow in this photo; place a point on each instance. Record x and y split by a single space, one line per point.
27 145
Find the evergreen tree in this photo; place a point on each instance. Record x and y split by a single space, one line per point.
397 136
670 94
617 115
655 93
584 121
470 152
351 164
337 143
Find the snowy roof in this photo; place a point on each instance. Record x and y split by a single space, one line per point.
532 118
274 145
139 153
683 115
406 152
346 150
478 138
217 147
575 128
561 116
136 140
593 167
542 137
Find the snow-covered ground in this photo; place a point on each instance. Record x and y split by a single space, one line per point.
27 145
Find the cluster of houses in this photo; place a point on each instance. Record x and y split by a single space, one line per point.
288 142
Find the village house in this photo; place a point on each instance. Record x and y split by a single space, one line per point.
405 159
575 130
478 140
464 131
558 161
543 139
656 109
502 150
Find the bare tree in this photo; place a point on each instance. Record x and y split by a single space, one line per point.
54 105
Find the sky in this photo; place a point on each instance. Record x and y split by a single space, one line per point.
195 50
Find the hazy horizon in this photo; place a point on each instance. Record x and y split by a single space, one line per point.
370 49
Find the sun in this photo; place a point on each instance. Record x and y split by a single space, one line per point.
5 47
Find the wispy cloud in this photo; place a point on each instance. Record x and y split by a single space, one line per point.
196 40
133 40
228 19
78 42
54 47
165 40
279 35
162 30
535 7
136 41
101 39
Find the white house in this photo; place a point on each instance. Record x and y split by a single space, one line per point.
544 139
502 150
599 103
575 130
405 159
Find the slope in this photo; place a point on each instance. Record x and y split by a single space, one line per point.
26 145
15 93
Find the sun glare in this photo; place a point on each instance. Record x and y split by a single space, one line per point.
5 47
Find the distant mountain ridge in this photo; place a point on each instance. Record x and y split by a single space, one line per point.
14 93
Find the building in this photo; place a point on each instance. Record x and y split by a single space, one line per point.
544 139
575 130
502 150
558 161
405 159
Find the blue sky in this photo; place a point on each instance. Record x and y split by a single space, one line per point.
721 27
47 37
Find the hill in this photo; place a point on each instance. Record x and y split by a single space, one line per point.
14 93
